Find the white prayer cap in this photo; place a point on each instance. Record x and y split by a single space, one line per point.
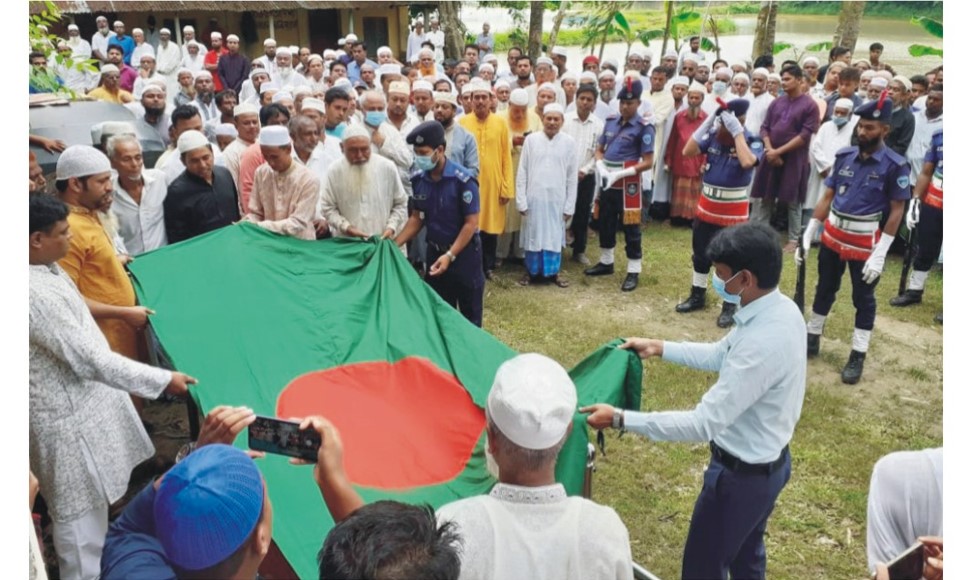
258 71
180 71
607 74
147 55
692 59
343 82
233 38
809 59
738 62
532 401
246 109
903 80
569 76
301 90
885 74
202 74
137 31
741 75
282 50
280 96
118 23
190 140
588 77
467 89
274 136
486 67
636 52
774 77
611 62
269 86
680 81
422 85
444 97
270 42
315 57
188 28
670 54
759 72
632 74
165 30
868 74
153 88
384 50
73 27
355 131
81 161
478 85
351 38
490 57
390 68
107 68
844 104
399 88
560 51
879 81
519 97
548 87
544 60
329 54
696 87
554 108
498 85
293 50
313 104
341 41
226 130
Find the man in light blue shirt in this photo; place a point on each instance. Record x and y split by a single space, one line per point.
748 416
354 67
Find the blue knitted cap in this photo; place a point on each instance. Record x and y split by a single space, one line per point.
207 506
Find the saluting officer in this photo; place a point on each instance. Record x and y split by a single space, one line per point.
732 153
447 199
625 150
866 182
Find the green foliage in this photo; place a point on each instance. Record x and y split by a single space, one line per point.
781 46
931 26
44 42
707 44
819 46
924 50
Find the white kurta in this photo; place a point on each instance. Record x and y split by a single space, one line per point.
142 225
193 64
825 144
538 532
546 187
757 111
168 59
80 48
922 134
143 49
79 397
369 197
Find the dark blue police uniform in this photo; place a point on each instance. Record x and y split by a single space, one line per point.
930 228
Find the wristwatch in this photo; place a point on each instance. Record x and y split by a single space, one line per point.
453 257
618 419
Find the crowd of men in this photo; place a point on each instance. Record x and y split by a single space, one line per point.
463 164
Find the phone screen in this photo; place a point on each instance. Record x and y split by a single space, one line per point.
908 565
272 435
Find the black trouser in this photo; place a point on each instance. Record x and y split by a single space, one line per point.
610 216
489 243
703 232
583 211
930 236
830 270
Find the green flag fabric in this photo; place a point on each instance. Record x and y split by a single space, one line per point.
346 329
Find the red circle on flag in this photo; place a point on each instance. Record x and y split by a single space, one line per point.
403 425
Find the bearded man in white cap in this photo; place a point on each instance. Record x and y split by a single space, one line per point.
363 195
154 117
284 74
205 101
529 417
203 198
547 180
80 48
142 47
247 122
100 39
139 194
520 122
398 109
461 147
760 100
168 58
285 195
192 59
545 72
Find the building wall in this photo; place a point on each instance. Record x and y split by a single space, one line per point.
397 17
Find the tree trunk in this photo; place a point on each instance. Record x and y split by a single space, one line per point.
556 23
452 27
765 32
534 29
850 21
666 26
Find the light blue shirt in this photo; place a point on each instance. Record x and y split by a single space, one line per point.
752 409
355 70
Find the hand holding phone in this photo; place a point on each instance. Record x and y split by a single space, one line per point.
908 565
283 438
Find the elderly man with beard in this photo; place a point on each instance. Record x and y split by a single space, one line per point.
285 195
192 59
285 75
247 122
205 101
139 196
317 155
363 195
154 118
100 39
760 100
386 139
521 122
684 171
203 197
147 74
80 48
168 57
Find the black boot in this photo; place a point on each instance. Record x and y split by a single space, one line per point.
726 318
600 269
696 301
907 298
630 283
813 344
853 369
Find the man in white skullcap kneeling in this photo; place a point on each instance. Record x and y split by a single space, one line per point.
528 518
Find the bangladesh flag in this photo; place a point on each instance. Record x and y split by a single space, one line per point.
347 330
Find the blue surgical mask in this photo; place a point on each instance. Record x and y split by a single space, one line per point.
720 87
840 121
720 289
425 162
375 118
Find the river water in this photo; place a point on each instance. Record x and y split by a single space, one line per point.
896 36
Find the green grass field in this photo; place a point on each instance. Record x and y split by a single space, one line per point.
818 527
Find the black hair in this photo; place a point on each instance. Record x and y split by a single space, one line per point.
875 46
473 46
749 246
838 51
714 65
849 73
764 61
359 43
114 46
523 57
61 185
428 43
35 54
45 212
920 80
792 70
272 110
519 50
587 88
334 63
937 87
659 70
336 94
222 96
389 539
183 113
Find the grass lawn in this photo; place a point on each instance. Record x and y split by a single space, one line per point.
818 527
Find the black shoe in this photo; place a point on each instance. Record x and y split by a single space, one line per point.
853 369
630 283
939 318
726 318
907 298
601 269
696 301
813 344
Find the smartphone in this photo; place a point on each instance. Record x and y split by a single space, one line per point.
908 565
280 437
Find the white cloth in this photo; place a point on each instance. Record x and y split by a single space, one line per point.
546 187
289 78
99 43
79 543
231 158
77 80
906 501
369 197
438 38
322 157
140 84
538 532
140 51
36 568
414 45
395 149
142 224
586 135
270 65
825 144
923 129
168 60
193 64
757 111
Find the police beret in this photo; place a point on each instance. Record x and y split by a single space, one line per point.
631 89
879 110
429 133
738 107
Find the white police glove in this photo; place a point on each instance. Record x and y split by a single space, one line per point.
913 213
874 265
731 123
806 241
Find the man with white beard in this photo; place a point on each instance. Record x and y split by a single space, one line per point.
285 75
139 195
760 100
362 194
168 58
100 40
80 48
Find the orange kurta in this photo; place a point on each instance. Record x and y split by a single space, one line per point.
99 275
496 173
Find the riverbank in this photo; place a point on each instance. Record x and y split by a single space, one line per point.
874 9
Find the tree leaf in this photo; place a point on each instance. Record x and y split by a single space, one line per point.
621 20
780 46
924 50
648 35
931 26
685 16
819 46
707 44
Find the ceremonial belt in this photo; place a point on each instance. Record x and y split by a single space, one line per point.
851 236
935 191
722 206
632 192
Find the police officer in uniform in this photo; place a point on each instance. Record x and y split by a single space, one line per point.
928 218
866 182
446 199
732 153
625 150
